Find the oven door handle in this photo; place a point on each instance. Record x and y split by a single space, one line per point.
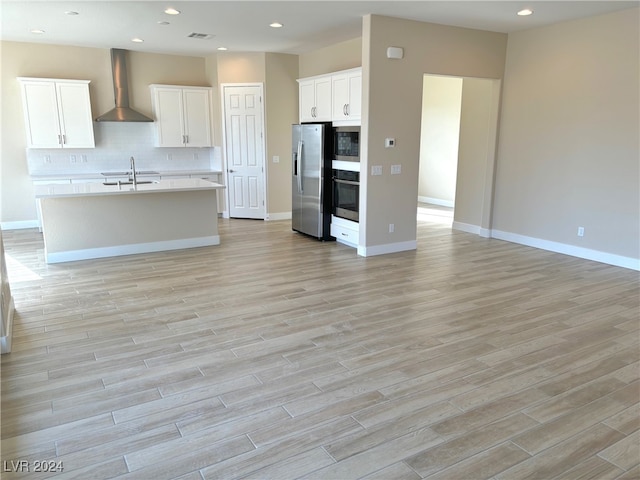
346 182
300 170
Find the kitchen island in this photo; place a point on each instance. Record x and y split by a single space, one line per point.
93 220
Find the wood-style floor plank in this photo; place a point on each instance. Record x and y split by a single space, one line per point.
274 355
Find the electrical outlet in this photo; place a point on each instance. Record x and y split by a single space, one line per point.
195 156
276 159
581 231
84 158
169 157
47 159
73 159
392 228
396 169
376 170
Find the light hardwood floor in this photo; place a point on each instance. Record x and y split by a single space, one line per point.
275 356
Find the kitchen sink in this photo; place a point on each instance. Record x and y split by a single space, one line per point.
124 174
130 182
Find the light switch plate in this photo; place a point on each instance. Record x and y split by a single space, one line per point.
396 169
376 170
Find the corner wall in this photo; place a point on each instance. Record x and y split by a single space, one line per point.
391 108
281 111
341 56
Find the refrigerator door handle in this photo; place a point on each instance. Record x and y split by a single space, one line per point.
299 158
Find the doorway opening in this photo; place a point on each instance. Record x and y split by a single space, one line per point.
439 140
458 133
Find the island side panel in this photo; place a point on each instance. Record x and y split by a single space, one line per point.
83 227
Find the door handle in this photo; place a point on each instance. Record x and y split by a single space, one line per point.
231 171
346 182
299 157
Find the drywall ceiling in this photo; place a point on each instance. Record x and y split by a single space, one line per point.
243 26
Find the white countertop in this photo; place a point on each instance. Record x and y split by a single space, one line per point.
92 189
65 176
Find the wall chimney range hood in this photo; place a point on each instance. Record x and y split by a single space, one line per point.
122 112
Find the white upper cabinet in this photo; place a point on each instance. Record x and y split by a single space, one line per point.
315 99
57 113
335 97
182 116
347 96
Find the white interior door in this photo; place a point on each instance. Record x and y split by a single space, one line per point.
243 116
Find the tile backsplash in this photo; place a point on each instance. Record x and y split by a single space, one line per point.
116 142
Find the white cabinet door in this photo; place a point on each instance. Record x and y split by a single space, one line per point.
323 99
307 92
347 96
41 114
57 113
168 111
315 99
74 107
197 126
182 116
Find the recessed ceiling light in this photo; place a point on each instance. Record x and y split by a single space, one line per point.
163 23
37 31
222 49
276 25
137 40
172 11
525 11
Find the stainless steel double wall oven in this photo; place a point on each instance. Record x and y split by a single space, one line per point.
346 173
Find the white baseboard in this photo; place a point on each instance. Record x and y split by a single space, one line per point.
436 201
572 250
466 227
388 248
89 253
20 225
278 216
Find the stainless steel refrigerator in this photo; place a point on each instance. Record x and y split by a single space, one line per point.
311 179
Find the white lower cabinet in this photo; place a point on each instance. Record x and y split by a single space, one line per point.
345 231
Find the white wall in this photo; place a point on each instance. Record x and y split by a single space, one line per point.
476 155
568 152
440 131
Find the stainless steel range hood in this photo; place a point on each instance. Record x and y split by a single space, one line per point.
122 112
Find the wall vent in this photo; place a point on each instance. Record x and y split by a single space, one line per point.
201 36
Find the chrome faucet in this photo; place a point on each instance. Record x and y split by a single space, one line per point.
133 172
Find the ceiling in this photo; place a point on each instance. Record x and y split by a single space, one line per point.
243 26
